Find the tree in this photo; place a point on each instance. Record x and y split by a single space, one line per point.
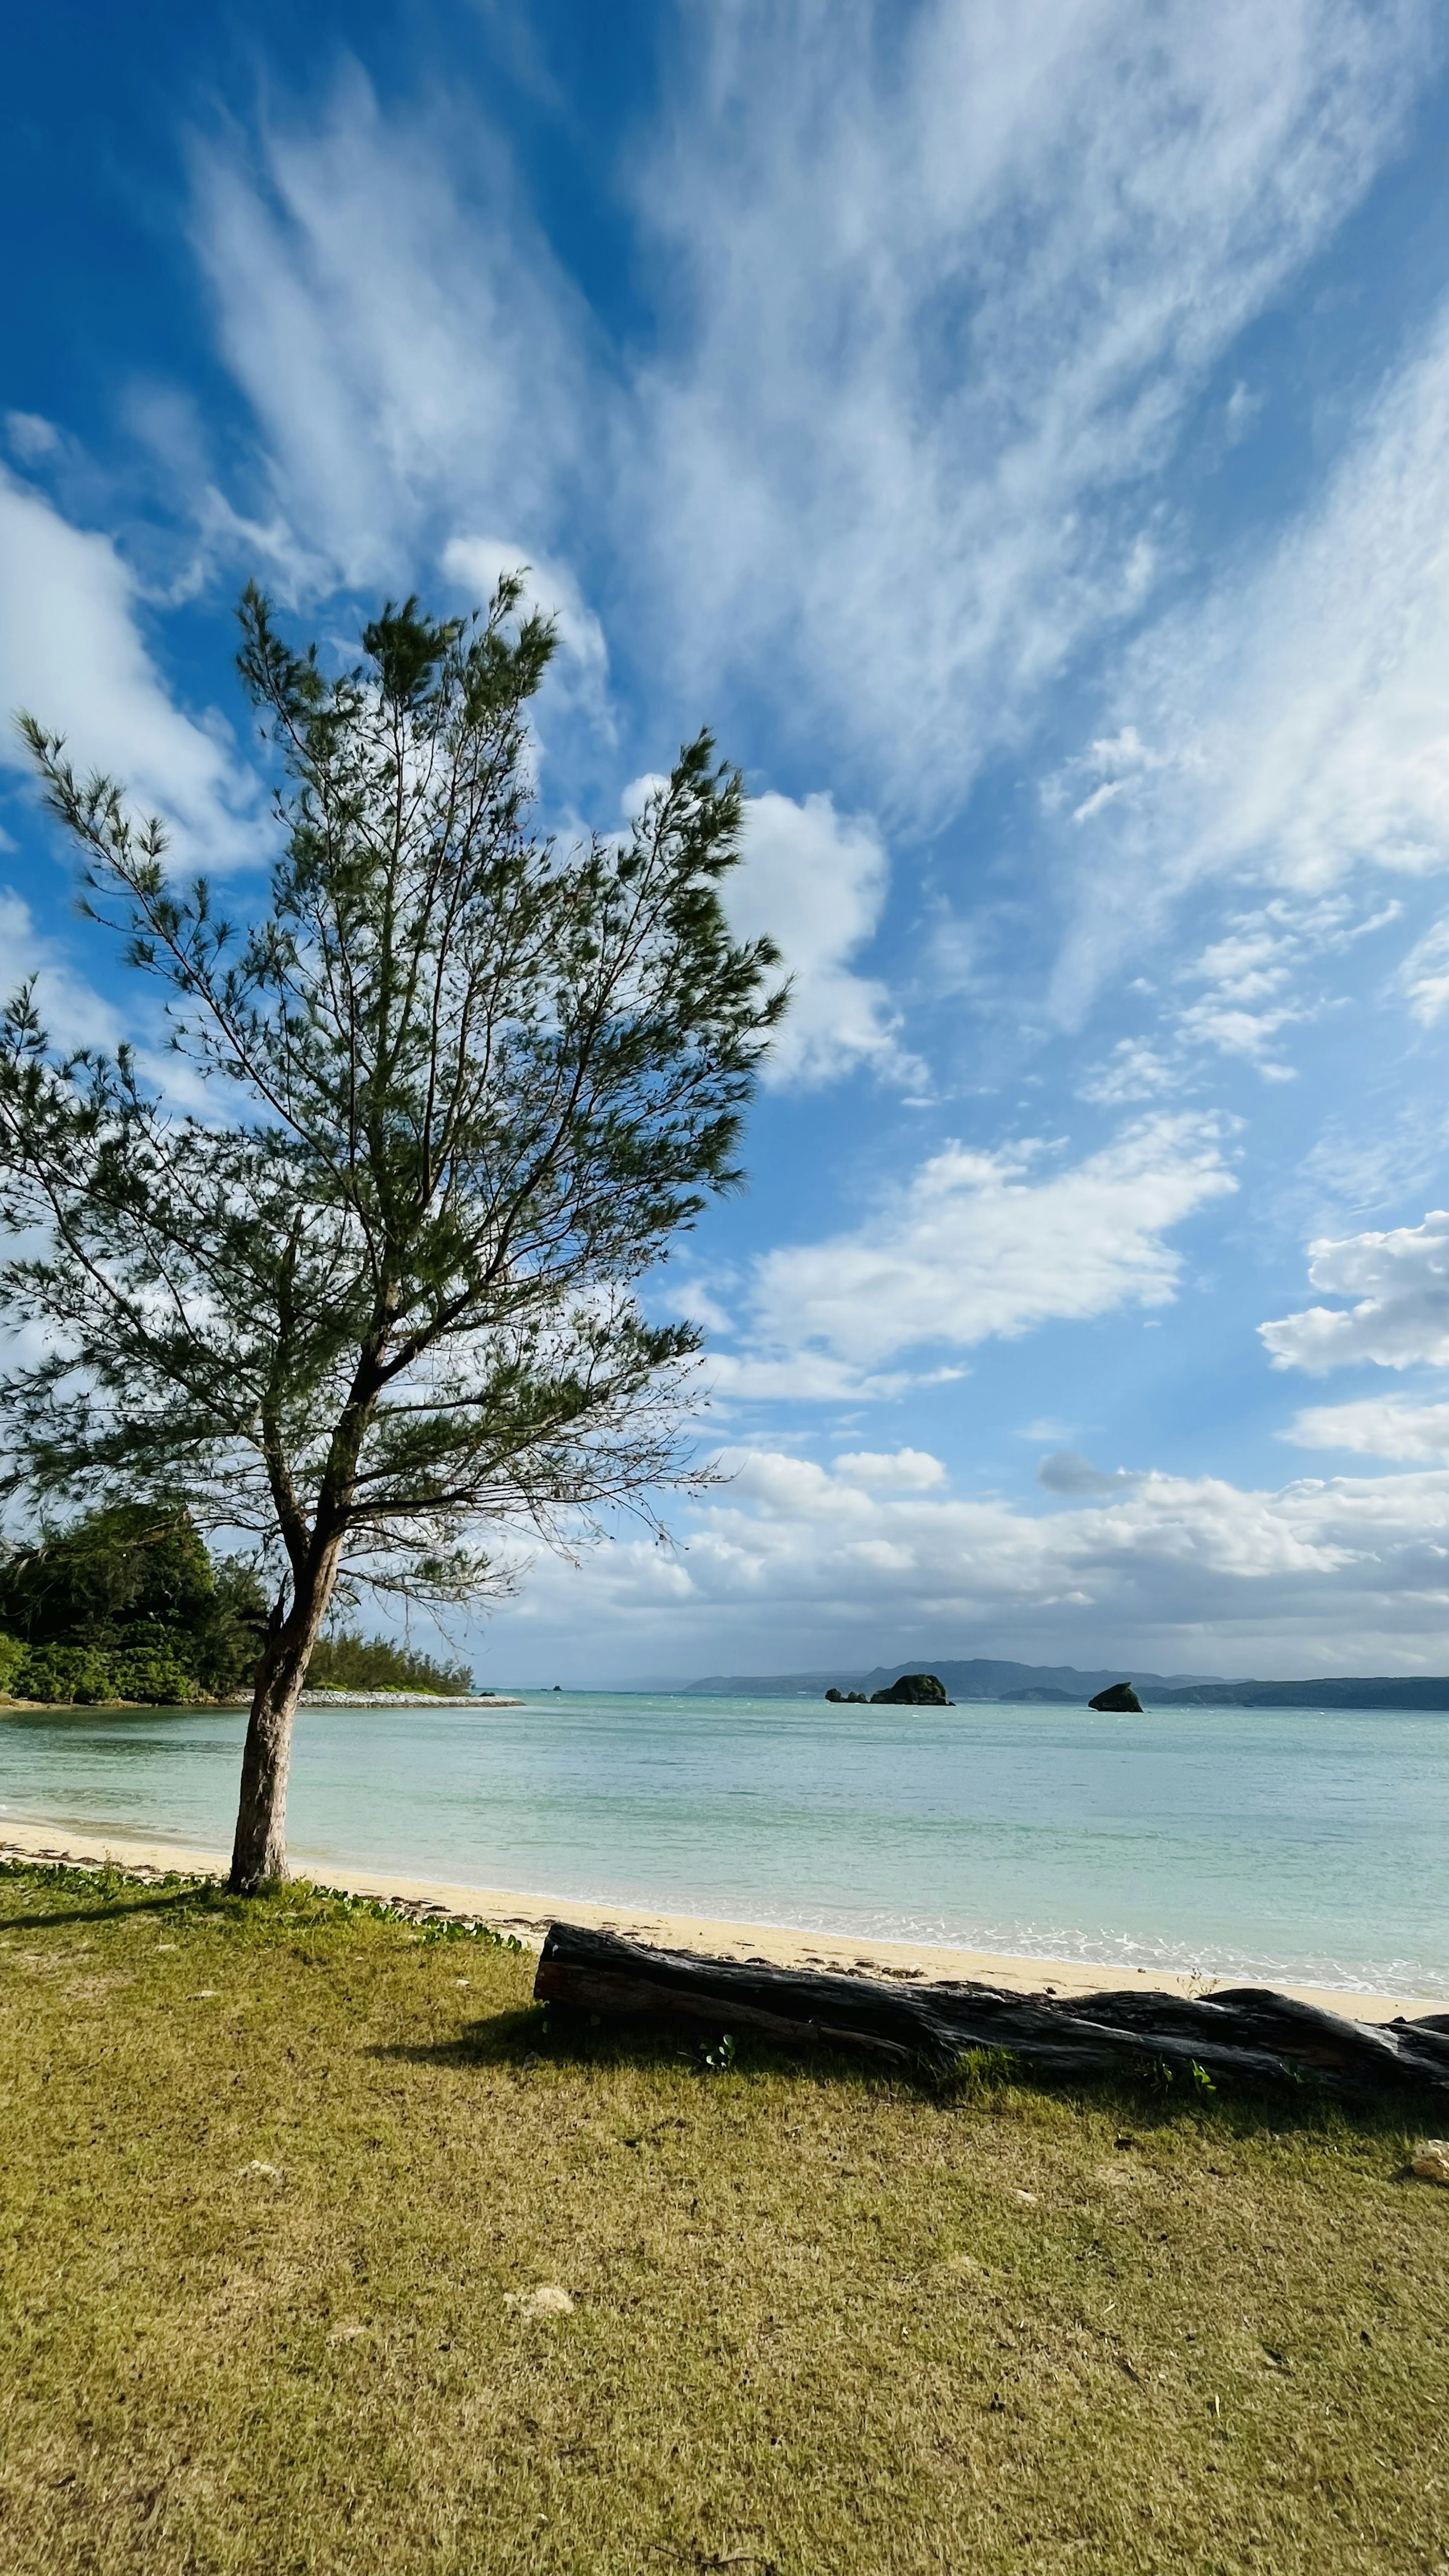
101 1576
343 1660
127 1603
377 1297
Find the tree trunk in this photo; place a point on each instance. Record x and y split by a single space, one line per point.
259 1852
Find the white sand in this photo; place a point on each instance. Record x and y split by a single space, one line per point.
530 1916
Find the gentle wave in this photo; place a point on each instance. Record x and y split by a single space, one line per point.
1252 1844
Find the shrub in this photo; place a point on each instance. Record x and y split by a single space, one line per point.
90 1675
348 1661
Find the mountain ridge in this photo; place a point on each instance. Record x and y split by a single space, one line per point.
983 1677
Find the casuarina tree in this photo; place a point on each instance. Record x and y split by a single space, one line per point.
366 1282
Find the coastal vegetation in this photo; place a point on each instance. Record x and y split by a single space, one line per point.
326 2249
128 1604
377 1307
346 1660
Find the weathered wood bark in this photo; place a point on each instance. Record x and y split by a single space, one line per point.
1248 2032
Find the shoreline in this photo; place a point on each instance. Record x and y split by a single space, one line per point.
528 1916
242 1699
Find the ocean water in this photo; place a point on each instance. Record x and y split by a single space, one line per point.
1290 1843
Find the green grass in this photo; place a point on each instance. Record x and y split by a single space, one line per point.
278 2180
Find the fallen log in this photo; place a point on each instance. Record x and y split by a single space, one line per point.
1247 2032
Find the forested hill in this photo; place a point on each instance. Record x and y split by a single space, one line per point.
1065 1685
1339 1690
129 1604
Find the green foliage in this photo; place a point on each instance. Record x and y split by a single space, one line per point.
302 1904
127 1604
349 1661
479 1082
102 1574
341 1902
46 1878
88 1676
381 1302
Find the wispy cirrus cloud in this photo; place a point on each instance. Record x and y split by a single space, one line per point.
1424 975
1290 723
413 354
934 291
973 264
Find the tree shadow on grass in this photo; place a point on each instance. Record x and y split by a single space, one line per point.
285 1908
107 1908
531 2038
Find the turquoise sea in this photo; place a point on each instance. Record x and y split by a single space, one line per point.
1289 1843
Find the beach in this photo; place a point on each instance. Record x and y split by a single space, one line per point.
1298 1850
528 1916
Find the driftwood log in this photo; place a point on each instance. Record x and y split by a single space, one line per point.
1248 2032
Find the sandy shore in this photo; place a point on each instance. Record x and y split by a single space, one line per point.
529 1917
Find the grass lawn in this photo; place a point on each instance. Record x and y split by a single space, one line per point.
280 2182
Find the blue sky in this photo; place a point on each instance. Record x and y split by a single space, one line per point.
1023 433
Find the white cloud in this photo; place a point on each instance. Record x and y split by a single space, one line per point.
73 1011
788 1565
1117 762
30 436
400 328
805 1377
1135 1070
934 292
1170 1552
71 652
1304 701
475 563
1239 413
903 1471
815 882
1401 1282
1424 975
986 1244
692 1296
75 1015
972 263
1377 1426
1260 976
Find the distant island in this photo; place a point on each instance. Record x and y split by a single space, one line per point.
1063 1685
